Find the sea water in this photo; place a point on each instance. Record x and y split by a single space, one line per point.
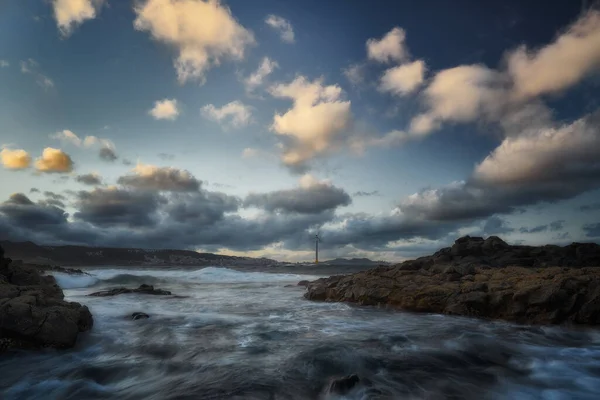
226 334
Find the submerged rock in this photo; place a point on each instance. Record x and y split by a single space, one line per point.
303 283
482 278
343 385
143 289
139 315
33 313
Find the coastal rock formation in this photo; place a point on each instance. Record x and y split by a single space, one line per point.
482 278
343 385
143 289
33 313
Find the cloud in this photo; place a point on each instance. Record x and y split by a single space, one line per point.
235 114
200 207
572 56
107 154
89 179
20 210
592 230
311 197
15 159
282 26
34 190
165 109
537 229
361 193
315 122
557 225
69 14
4 64
257 78
250 152
31 67
151 177
67 136
496 226
403 79
390 47
54 161
117 208
355 74
166 156
203 33
590 207
54 196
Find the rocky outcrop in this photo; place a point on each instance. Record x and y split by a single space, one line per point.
33 312
477 278
143 289
342 386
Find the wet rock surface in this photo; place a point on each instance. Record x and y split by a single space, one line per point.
482 278
139 315
33 312
143 289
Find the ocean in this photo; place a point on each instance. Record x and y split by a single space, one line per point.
226 334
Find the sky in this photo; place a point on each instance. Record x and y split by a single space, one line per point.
391 128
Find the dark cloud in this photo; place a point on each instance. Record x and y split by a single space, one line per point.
34 190
52 202
127 162
590 207
117 207
313 199
200 207
562 236
89 179
54 196
557 225
23 212
166 156
361 193
107 154
536 229
496 226
149 177
592 230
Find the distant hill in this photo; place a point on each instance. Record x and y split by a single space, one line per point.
30 252
353 261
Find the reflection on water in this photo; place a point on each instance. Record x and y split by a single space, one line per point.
239 335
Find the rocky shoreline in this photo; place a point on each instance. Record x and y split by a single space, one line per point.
33 312
485 279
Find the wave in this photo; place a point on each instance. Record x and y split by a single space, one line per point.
121 276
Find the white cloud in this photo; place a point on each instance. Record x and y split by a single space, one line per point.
31 67
390 47
54 160
250 152
283 26
355 74
67 136
106 146
561 64
235 114
69 14
4 64
403 79
257 78
15 159
165 109
202 32
315 121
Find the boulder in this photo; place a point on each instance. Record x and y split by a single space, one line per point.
143 289
342 386
33 312
303 283
139 315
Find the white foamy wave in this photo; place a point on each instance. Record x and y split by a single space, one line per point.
66 281
204 275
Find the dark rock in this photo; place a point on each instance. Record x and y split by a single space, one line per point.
33 313
139 315
482 278
343 385
143 289
303 283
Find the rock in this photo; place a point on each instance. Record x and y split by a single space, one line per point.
482 278
303 283
139 315
33 313
143 289
343 385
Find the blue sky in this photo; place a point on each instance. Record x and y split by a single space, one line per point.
391 128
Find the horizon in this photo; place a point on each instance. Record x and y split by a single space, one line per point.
391 130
